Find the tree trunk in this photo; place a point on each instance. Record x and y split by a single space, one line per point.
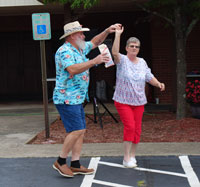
181 64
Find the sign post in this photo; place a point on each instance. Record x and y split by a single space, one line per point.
42 31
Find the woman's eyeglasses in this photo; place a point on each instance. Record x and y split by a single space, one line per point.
134 46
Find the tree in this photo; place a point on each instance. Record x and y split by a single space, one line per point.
182 15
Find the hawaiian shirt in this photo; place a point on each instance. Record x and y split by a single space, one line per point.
130 81
71 89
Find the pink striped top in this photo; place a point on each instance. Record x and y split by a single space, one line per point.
130 81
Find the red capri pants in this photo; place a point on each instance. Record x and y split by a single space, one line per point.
131 117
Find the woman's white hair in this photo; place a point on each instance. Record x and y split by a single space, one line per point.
132 40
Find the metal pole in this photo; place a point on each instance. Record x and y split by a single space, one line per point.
44 86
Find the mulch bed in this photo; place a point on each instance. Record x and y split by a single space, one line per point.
156 127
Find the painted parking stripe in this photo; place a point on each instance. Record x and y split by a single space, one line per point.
110 184
191 176
111 164
145 169
161 172
88 179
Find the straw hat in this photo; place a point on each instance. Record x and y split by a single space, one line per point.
71 28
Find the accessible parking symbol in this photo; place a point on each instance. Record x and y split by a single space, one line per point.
41 29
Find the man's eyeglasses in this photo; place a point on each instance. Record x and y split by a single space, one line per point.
134 46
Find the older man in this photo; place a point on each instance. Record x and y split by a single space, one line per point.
72 80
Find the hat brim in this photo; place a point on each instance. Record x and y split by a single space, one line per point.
67 34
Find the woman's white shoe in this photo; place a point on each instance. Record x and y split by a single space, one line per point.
129 164
133 159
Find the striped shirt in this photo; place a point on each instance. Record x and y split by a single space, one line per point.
130 81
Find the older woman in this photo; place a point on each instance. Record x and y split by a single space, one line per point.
129 97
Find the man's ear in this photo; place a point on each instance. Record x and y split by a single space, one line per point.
71 36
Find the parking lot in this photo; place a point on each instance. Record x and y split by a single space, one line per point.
152 171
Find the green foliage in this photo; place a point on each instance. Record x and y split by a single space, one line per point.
75 3
85 3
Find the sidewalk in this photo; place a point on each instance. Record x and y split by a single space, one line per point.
20 122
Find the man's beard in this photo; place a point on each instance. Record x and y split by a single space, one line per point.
80 43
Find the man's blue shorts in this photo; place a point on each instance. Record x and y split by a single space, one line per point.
72 116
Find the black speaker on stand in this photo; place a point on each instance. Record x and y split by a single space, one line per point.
96 101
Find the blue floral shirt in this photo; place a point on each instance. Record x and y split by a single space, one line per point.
70 89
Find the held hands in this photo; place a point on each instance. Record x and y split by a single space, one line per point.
113 28
119 30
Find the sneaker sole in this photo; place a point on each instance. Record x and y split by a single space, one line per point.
64 175
130 167
82 173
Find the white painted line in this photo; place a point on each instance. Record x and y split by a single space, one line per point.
88 179
109 183
161 172
190 174
111 164
144 169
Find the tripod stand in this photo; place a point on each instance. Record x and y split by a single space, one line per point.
95 102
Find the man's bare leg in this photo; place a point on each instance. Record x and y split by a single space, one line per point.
70 142
76 150
76 167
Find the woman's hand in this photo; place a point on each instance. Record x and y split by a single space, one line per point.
119 30
161 86
155 82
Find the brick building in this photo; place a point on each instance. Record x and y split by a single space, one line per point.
20 66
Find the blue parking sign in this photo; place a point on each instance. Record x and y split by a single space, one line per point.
41 26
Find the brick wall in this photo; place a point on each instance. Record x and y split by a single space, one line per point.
163 58
193 50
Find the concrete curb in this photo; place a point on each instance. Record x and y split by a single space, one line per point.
101 149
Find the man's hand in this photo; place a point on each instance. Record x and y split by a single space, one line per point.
102 58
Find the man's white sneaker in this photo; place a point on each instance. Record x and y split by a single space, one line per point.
129 164
133 159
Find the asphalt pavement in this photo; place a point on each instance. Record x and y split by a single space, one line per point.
152 171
